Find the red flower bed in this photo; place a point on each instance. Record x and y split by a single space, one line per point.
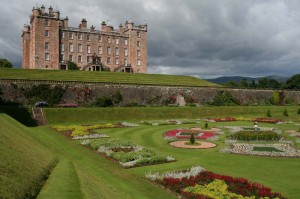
226 119
239 186
267 120
176 134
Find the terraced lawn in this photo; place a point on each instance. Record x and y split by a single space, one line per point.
104 77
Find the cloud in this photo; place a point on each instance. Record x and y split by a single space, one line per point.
204 38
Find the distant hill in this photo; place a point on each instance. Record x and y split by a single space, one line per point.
224 79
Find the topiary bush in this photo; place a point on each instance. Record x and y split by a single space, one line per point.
298 111
285 113
192 139
269 113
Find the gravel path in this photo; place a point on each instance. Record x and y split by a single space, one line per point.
203 145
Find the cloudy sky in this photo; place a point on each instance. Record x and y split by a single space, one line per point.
204 38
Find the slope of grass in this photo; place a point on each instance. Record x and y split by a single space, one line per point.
104 77
94 115
24 163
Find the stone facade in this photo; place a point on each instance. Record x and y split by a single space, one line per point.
49 43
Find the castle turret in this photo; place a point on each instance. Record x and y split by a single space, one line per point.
50 11
83 24
120 28
106 28
66 22
43 10
56 14
35 11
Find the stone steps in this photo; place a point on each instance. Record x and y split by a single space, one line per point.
39 116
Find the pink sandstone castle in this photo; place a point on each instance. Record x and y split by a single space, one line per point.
49 43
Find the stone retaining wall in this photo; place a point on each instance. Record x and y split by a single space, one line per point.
86 93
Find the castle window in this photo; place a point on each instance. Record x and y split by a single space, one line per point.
138 62
117 41
62 47
80 48
138 44
70 57
47 33
79 36
117 61
108 40
88 49
47 22
70 35
88 59
138 53
47 56
61 58
63 35
125 52
108 50
99 39
71 48
99 50
138 34
117 51
126 42
88 37
47 46
125 62
79 59
108 60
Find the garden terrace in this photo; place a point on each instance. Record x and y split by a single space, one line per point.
103 77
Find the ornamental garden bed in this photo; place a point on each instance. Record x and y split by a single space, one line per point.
275 150
128 154
197 183
84 132
186 134
196 145
170 122
255 136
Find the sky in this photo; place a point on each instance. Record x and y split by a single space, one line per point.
203 38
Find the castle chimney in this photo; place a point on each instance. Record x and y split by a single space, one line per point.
66 22
120 28
83 24
43 10
56 13
35 11
50 11
103 26
92 28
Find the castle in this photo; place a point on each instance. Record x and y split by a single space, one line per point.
49 43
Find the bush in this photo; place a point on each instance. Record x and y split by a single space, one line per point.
285 113
224 98
117 98
72 66
5 63
206 125
252 135
269 113
298 111
104 102
192 139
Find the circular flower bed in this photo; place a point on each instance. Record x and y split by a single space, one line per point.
201 145
186 133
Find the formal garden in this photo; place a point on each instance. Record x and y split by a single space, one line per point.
140 145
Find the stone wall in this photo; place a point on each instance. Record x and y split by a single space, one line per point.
86 93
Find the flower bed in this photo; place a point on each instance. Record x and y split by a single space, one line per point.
267 120
281 150
186 133
127 154
170 122
201 184
80 131
225 119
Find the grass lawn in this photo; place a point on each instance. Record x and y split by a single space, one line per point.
96 115
81 173
104 77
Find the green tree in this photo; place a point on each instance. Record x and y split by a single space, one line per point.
231 84
275 100
268 83
72 66
293 82
224 98
269 113
244 83
285 113
4 63
298 111
192 139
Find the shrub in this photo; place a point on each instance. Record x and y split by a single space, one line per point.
192 139
285 113
251 135
206 125
104 102
269 113
298 111
117 98
72 66
224 98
